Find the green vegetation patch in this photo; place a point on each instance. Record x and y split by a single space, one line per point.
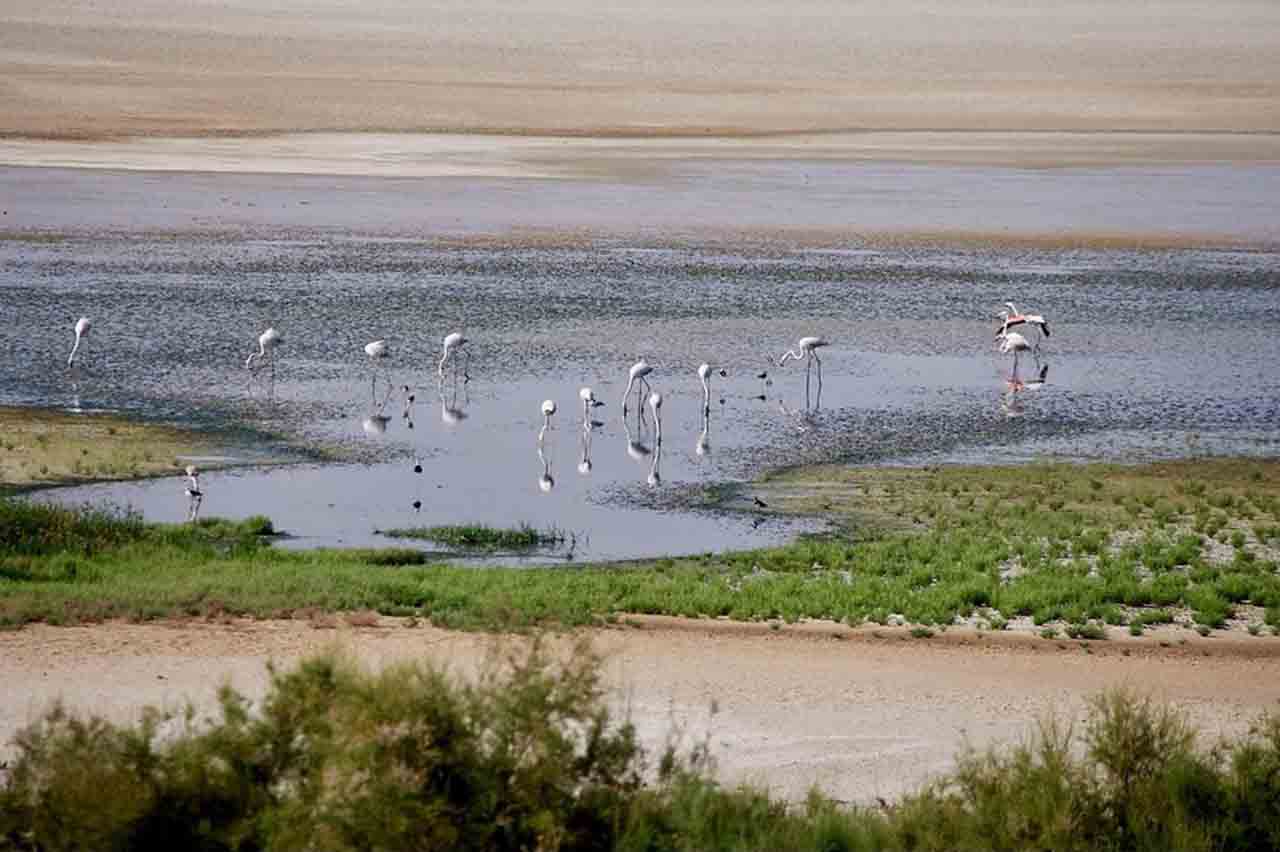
529 756
480 537
1067 547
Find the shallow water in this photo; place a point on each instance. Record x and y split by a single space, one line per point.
1152 354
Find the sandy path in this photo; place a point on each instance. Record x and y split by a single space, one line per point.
861 717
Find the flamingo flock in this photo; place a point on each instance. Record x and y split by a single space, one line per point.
1007 342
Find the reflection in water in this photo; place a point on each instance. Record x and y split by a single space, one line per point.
375 425
406 414
636 447
546 481
1010 400
452 411
655 475
584 443
703 445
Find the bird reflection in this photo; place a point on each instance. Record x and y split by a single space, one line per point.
545 481
76 405
584 444
451 411
703 445
406 414
636 447
655 476
377 422
1011 401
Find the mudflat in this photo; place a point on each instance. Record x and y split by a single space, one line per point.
727 70
862 714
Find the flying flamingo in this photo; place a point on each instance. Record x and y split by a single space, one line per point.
193 492
639 370
809 351
267 342
1012 316
453 341
655 403
82 330
589 401
704 374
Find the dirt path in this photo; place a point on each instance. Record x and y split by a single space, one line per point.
858 715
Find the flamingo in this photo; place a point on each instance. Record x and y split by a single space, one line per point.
809 351
655 403
639 370
82 330
589 401
1011 341
453 341
267 342
704 374
193 492
548 409
1012 316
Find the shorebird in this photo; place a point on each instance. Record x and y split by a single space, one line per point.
704 374
82 330
267 342
451 342
548 409
639 370
655 403
589 401
1011 316
194 495
809 347
1011 341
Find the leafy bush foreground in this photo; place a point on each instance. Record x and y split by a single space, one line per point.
529 757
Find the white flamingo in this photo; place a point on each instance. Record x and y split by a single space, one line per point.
639 371
452 341
548 409
194 495
655 403
704 374
82 330
267 342
589 401
1011 341
809 347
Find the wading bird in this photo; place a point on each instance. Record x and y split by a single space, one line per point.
548 409
267 342
809 352
1011 341
655 403
639 370
704 374
1012 316
378 352
194 495
82 331
454 341
589 401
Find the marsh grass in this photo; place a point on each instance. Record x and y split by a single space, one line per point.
988 548
480 537
529 756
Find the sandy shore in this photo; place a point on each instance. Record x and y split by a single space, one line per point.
74 70
859 715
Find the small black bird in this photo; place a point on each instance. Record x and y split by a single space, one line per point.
756 523
417 468
760 503
417 505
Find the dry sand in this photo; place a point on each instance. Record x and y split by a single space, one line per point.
78 69
860 716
